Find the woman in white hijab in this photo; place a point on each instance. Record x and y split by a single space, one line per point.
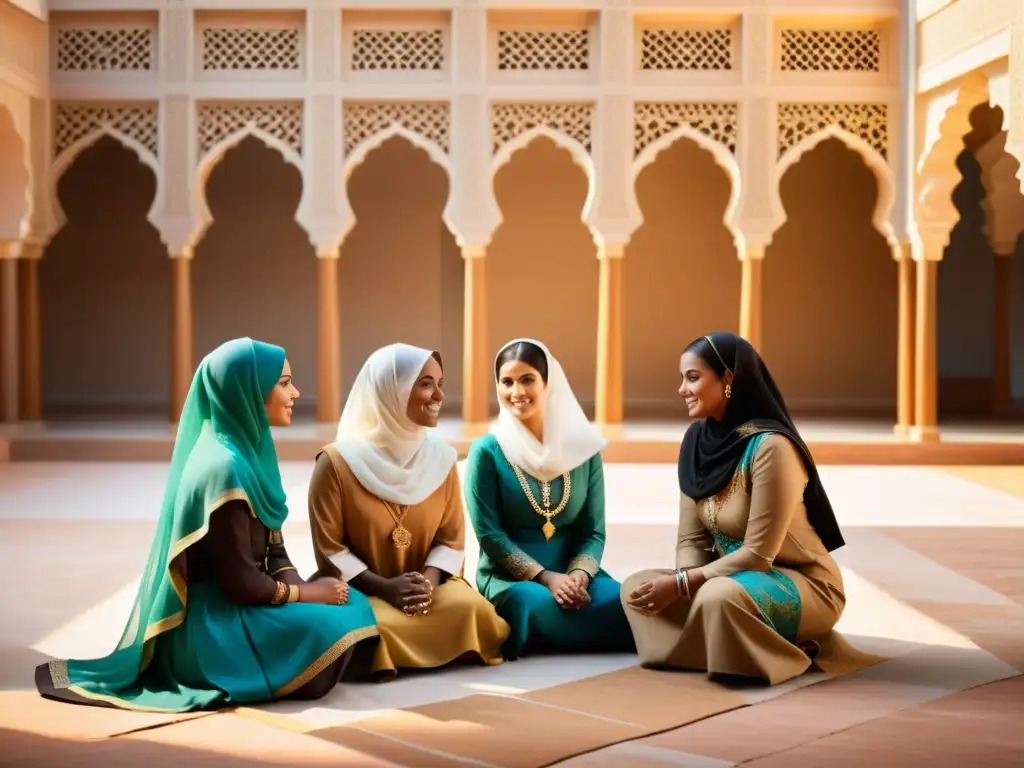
535 494
386 515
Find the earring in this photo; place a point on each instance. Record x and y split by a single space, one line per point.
728 391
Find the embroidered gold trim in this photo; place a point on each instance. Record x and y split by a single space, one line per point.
59 673
585 563
327 658
521 565
275 538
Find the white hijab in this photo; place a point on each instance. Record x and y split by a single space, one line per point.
391 456
569 439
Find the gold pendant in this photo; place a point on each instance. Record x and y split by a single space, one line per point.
548 529
401 537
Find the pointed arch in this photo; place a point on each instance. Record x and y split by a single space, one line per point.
722 156
216 153
16 182
357 156
579 153
879 166
68 156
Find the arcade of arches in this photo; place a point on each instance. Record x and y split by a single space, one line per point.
829 282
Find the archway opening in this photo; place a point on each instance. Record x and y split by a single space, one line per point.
831 290
105 292
254 273
401 272
542 270
682 277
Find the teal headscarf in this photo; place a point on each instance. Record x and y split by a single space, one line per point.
223 451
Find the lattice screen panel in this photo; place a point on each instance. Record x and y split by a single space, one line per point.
831 50
73 122
686 49
429 119
562 49
280 119
106 49
256 48
511 120
398 49
652 120
869 122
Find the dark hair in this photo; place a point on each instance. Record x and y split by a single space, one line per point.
524 352
437 356
703 349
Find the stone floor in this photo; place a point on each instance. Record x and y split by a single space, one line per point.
932 568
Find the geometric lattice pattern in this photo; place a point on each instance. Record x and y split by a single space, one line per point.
831 50
234 48
652 120
73 122
280 119
398 49
428 119
686 49
105 49
511 120
560 49
867 121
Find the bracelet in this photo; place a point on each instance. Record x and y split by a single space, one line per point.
683 583
279 594
293 593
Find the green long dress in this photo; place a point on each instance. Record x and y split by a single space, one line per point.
514 550
187 645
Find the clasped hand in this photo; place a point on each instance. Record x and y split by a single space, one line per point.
410 593
654 595
569 590
325 590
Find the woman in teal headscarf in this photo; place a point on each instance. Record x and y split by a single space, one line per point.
221 617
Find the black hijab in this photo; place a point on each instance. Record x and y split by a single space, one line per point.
712 450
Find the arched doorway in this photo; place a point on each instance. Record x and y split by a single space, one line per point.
542 270
401 272
105 292
681 274
254 272
831 290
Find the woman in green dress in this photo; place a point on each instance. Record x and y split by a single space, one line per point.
221 617
535 494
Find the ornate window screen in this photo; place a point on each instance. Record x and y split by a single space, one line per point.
544 50
429 119
106 49
397 49
251 48
831 50
867 121
511 120
73 122
281 119
652 120
686 49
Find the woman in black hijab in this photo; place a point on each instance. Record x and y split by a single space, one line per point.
755 592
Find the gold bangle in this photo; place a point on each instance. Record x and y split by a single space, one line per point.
293 593
280 593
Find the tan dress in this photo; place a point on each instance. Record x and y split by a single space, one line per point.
352 530
761 520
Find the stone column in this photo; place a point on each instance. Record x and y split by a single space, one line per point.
1015 117
8 332
926 369
905 341
476 355
608 398
751 293
182 362
328 335
31 342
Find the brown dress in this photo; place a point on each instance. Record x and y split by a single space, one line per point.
352 532
723 630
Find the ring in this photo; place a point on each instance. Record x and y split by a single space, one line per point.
650 605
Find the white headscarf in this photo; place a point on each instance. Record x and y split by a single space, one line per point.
569 439
391 456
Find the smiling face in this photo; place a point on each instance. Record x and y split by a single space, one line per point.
282 399
522 390
427 394
702 388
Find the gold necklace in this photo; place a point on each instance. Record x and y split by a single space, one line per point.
400 537
545 492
